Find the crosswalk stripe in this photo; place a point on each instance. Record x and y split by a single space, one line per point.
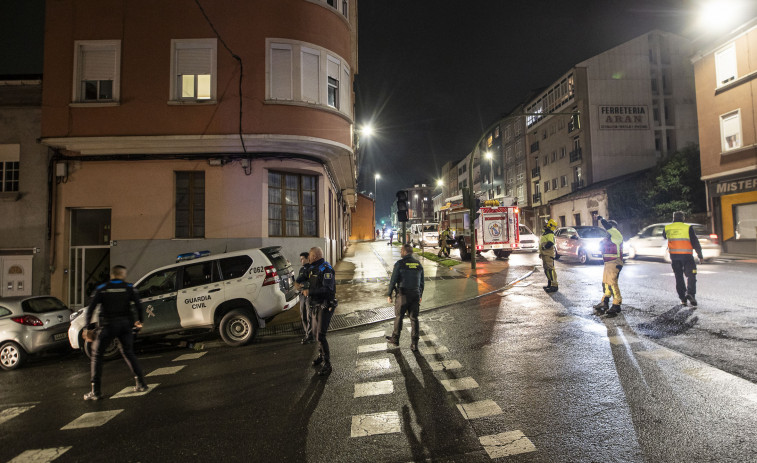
375 423
373 388
181 358
459 384
428 337
445 365
371 348
166 370
373 334
92 419
10 413
129 392
372 364
479 409
506 444
40 455
430 350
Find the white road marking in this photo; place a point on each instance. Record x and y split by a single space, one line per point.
10 413
374 388
428 337
659 354
621 340
430 350
92 420
375 423
459 384
372 364
567 319
506 444
373 334
371 348
181 358
479 409
752 397
129 392
445 365
166 371
40 455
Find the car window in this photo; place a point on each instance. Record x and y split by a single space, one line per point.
429 228
658 231
647 232
699 229
569 232
200 274
42 305
235 267
4 311
591 233
523 230
159 283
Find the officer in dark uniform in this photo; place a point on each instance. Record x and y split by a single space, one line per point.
116 321
322 302
407 277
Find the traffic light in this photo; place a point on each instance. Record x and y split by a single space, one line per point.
402 206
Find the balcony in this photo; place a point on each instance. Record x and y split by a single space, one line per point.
535 172
575 155
534 146
576 185
536 198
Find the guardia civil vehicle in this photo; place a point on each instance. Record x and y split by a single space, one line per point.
234 293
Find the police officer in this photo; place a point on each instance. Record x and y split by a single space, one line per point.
321 301
302 282
547 253
612 253
407 277
443 244
682 242
116 321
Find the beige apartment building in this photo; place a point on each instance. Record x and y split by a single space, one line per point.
726 89
179 127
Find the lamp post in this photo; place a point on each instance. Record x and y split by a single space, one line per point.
375 198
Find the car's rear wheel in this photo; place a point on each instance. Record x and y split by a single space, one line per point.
111 352
238 327
464 254
582 256
12 356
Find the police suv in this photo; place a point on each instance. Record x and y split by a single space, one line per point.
234 293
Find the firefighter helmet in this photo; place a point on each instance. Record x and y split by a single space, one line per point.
551 224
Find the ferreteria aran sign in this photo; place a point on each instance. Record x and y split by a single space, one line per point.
623 117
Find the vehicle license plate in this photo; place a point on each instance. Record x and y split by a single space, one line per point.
60 336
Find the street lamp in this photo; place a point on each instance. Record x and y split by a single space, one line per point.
375 195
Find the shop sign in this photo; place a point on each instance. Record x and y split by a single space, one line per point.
623 117
734 186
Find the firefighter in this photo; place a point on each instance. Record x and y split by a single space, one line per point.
682 242
443 244
547 253
612 253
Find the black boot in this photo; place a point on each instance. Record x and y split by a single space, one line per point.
395 340
325 369
603 305
139 384
614 310
318 360
94 394
414 345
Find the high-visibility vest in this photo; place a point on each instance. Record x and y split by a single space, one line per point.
679 241
612 247
547 237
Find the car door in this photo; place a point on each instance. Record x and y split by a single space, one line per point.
658 245
201 292
157 294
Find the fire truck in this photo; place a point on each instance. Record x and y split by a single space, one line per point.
496 226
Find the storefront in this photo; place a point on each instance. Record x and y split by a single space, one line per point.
734 212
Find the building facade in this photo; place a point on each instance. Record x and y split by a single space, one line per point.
363 219
181 128
725 74
420 203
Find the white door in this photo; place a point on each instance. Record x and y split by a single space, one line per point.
16 277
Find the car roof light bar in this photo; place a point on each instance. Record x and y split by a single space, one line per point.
191 255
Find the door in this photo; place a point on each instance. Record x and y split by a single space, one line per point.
157 294
89 253
201 292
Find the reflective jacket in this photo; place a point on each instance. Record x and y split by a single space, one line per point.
682 240
547 243
612 246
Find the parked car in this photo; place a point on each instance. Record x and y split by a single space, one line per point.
29 325
529 242
426 234
234 293
650 243
581 243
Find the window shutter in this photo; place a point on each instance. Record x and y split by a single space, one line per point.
98 64
310 72
281 73
193 61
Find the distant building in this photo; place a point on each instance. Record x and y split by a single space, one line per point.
726 104
363 219
420 203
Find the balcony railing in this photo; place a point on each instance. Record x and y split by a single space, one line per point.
576 185
536 198
535 172
575 155
535 146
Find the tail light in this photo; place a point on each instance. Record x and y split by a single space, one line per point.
28 320
714 238
478 248
271 277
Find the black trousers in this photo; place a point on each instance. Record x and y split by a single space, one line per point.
407 301
117 328
322 317
685 266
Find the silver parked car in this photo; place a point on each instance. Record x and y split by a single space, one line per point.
650 243
29 325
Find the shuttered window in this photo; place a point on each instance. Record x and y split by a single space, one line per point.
281 72
194 69
97 70
310 75
190 204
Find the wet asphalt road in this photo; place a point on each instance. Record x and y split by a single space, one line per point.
551 381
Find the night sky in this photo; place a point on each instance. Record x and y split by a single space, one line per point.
433 74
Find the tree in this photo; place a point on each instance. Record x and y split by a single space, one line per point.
676 185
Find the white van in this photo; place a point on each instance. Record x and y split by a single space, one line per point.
426 234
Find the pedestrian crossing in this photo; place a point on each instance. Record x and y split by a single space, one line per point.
511 442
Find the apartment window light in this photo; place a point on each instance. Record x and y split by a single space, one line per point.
730 130
725 65
193 68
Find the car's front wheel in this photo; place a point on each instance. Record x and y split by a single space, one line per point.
111 352
582 256
238 327
12 356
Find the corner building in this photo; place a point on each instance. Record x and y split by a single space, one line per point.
185 126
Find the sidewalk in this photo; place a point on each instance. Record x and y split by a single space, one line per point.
362 279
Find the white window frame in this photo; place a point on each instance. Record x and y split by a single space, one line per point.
188 44
724 118
80 46
726 69
9 153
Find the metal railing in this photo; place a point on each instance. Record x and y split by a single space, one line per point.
575 155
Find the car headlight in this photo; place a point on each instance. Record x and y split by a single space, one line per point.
593 248
76 314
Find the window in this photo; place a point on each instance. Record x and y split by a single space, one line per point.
554 183
563 181
546 186
190 204
577 219
157 284
305 73
554 156
9 167
499 190
562 220
235 267
730 130
562 152
193 67
96 71
725 65
200 274
292 209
